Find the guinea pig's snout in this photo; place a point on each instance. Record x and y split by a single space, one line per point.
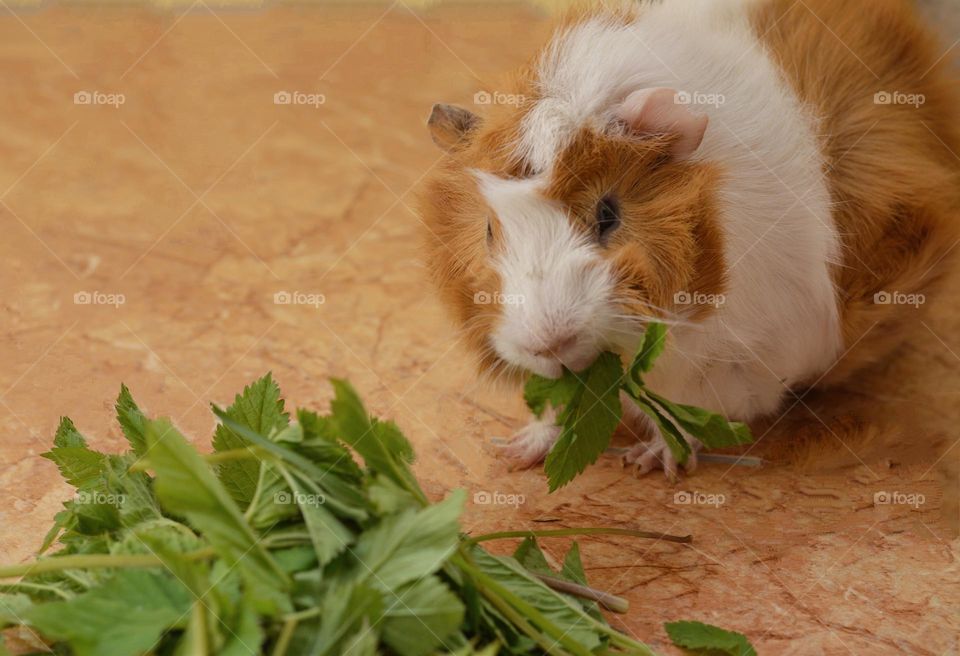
554 347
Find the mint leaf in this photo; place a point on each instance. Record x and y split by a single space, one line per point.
589 420
131 420
259 408
708 638
123 617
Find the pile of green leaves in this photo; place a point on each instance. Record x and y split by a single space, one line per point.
589 410
280 542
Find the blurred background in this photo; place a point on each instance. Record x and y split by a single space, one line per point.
194 193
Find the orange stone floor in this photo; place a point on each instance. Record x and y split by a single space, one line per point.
197 199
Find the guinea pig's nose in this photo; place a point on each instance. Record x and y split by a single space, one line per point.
555 346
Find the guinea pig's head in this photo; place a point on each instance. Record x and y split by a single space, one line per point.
551 248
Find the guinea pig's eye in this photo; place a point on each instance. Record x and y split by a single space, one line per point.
489 232
608 216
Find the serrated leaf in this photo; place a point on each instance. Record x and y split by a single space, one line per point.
187 487
79 466
540 391
588 421
344 610
328 534
382 446
132 421
707 638
529 554
709 427
419 617
67 434
148 603
410 544
259 408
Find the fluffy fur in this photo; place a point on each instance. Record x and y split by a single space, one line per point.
764 250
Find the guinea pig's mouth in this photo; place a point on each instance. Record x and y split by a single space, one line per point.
548 359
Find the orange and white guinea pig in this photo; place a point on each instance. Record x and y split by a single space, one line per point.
777 181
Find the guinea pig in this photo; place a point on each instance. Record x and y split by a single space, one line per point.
778 182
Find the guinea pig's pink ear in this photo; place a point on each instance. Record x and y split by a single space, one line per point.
659 111
450 126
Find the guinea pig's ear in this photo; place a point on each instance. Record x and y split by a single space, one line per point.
660 111
450 126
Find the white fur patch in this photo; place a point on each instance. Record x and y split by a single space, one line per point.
553 281
779 325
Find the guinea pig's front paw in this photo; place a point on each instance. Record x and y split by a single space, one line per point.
529 446
647 456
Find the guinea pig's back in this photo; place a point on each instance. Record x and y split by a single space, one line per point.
884 93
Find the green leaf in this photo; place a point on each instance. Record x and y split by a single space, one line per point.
13 607
540 391
259 408
562 611
382 446
418 618
344 611
411 544
328 534
709 427
187 487
530 555
124 616
573 567
709 639
671 435
79 466
67 434
654 341
588 420
132 421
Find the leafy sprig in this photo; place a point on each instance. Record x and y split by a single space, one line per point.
589 410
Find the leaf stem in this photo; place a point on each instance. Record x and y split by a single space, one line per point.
94 561
609 601
560 532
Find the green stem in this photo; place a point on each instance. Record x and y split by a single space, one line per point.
559 532
92 561
286 634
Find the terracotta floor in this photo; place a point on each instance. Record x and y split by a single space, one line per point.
198 199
